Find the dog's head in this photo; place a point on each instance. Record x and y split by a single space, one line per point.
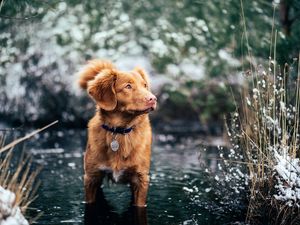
115 90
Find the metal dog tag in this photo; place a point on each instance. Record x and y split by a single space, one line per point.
114 145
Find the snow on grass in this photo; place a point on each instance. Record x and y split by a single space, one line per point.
288 176
10 214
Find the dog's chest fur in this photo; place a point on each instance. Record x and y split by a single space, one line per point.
133 153
115 175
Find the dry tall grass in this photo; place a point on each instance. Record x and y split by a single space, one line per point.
266 129
19 179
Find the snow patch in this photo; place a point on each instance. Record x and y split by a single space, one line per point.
288 176
10 214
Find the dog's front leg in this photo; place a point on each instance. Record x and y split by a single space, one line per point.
139 187
91 185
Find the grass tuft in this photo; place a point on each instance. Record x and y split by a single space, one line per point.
19 178
266 128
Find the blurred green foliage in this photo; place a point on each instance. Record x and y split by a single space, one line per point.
212 101
185 28
44 42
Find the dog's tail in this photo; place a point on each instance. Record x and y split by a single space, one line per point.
90 71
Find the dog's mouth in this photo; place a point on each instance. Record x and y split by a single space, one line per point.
144 111
147 110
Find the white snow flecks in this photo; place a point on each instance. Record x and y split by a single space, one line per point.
9 213
288 176
188 189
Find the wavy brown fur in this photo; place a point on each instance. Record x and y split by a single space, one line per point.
91 70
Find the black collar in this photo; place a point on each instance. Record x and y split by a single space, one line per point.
117 130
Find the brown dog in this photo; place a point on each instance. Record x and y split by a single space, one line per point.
119 135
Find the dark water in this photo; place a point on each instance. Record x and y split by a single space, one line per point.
179 192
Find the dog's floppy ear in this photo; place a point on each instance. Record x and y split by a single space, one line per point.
143 74
90 71
103 91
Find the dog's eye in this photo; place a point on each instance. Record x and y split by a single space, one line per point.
128 86
145 85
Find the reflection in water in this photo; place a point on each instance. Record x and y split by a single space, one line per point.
102 213
179 193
